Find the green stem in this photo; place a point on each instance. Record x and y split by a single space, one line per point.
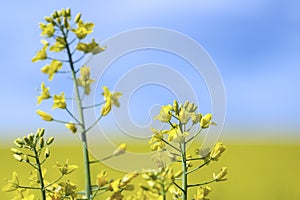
184 170
164 196
83 133
40 174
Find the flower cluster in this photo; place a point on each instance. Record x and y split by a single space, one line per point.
185 124
34 151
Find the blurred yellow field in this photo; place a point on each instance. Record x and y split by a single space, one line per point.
264 172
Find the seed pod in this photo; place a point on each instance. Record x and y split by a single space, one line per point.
50 140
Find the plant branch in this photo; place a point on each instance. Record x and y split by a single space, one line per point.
171 145
93 106
99 118
200 184
205 163
72 116
194 136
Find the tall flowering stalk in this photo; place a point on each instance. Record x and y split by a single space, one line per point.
182 120
65 35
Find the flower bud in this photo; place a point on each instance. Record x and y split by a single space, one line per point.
27 141
19 142
58 13
26 158
220 176
206 121
50 140
144 188
106 108
102 179
31 137
77 18
16 151
175 107
48 19
63 12
18 157
71 126
55 15
66 23
42 142
196 117
68 12
217 151
40 132
47 152
45 116
120 150
128 177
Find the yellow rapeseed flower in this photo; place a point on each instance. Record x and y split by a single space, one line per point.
206 121
84 79
92 47
59 101
102 179
41 54
111 99
202 193
196 117
13 184
217 151
66 168
45 116
51 69
165 113
59 45
45 94
156 142
83 29
47 29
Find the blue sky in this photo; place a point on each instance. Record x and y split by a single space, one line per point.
255 45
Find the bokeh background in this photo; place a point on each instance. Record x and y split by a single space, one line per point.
255 45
